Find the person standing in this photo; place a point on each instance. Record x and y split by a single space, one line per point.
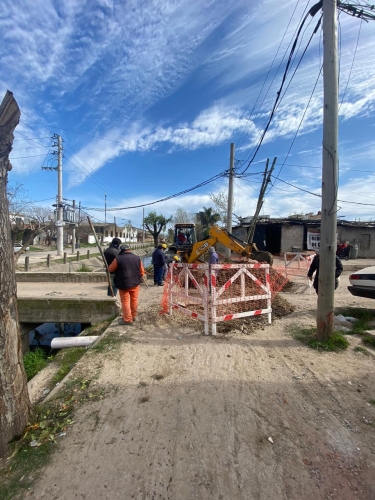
128 270
158 260
314 267
110 254
214 258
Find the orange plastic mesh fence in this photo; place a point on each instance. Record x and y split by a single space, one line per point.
297 263
221 292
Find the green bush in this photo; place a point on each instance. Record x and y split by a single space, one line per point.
34 361
84 269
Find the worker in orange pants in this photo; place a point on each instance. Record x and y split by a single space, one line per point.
129 302
128 270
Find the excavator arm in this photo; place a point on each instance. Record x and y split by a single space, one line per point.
218 235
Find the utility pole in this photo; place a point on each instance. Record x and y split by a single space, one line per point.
74 227
59 222
114 220
143 225
266 180
105 209
328 228
230 197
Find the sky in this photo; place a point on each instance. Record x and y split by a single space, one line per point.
148 96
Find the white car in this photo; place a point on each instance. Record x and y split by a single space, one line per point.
17 247
363 283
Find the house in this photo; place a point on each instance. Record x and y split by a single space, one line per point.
302 232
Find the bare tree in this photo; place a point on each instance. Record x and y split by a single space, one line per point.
220 201
27 219
15 405
182 216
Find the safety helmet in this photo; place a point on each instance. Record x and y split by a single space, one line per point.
164 245
176 258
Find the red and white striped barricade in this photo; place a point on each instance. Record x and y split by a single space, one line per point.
298 265
237 304
186 294
220 292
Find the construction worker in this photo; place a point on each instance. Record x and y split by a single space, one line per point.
158 261
128 270
214 258
110 254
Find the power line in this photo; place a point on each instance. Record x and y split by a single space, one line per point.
204 183
264 82
300 124
311 12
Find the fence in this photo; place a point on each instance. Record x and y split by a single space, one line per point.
221 292
298 264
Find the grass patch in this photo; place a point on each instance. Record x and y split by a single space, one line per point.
110 342
372 401
362 350
98 328
49 424
66 359
364 317
34 361
35 249
336 342
84 269
369 340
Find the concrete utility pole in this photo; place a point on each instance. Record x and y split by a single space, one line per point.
74 227
143 225
230 197
59 222
105 208
328 229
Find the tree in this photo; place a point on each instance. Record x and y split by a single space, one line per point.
183 217
27 219
206 218
220 201
15 407
155 224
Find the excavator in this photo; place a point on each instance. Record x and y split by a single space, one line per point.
190 250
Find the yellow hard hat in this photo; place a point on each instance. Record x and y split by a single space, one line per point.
164 245
176 258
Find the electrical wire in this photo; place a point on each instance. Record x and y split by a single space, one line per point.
204 183
311 12
351 67
299 126
245 134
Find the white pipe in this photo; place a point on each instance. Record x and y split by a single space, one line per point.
62 342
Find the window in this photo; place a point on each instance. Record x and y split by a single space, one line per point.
111 234
106 233
365 242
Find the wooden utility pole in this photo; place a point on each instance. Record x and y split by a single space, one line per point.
15 405
230 197
266 180
328 228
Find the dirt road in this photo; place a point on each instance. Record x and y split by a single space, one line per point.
255 416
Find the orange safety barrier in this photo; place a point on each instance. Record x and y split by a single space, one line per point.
221 292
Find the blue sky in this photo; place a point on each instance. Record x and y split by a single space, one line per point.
149 95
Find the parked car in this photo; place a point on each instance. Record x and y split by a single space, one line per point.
18 246
363 283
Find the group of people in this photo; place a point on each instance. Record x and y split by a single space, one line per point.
126 273
161 261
